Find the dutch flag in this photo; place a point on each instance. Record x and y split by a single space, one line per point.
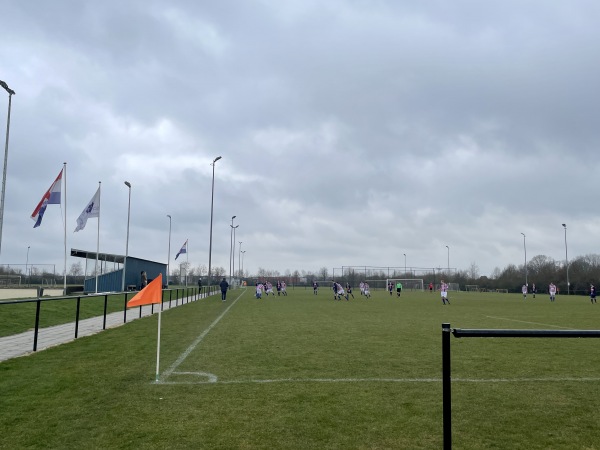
51 197
182 250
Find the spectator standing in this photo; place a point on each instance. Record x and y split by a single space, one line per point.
224 285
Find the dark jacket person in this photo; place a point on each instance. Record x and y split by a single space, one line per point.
224 285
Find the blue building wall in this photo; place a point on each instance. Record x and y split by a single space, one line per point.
112 281
107 282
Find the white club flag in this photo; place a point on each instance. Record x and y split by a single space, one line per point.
91 210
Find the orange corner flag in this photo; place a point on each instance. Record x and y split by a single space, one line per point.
150 294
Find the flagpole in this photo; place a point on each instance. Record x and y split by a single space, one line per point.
187 261
98 238
158 342
65 229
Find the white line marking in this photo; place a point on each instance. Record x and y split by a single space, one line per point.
211 377
167 373
388 380
530 323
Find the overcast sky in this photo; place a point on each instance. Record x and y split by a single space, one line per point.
351 132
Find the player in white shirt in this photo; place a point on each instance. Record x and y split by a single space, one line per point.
552 290
283 288
269 289
362 288
339 291
444 292
524 291
259 290
367 292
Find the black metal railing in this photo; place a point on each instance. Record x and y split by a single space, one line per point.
487 333
185 294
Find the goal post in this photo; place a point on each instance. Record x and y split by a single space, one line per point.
414 284
472 288
10 280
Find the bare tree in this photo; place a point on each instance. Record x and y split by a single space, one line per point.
473 272
496 273
201 270
323 273
76 269
218 271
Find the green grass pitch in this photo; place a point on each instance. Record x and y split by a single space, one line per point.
308 372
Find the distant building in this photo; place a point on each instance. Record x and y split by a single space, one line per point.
110 271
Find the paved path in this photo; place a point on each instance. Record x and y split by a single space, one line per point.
22 344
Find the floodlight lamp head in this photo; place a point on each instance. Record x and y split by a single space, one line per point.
216 159
5 86
233 217
128 184
564 225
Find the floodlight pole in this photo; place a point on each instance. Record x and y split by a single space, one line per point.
128 184
239 258
243 253
10 94
404 266
448 261
231 245
567 260
233 253
212 197
525 249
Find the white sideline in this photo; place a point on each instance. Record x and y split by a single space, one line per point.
167 373
376 380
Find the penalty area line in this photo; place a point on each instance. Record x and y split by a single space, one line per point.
167 373
530 323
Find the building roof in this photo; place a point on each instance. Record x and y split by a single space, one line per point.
101 256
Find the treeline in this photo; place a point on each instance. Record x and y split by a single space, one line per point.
541 271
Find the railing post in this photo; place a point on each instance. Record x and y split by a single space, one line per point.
37 325
170 292
125 309
105 310
446 387
77 317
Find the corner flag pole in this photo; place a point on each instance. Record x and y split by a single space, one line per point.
158 345
151 294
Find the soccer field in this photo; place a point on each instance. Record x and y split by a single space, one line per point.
308 372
